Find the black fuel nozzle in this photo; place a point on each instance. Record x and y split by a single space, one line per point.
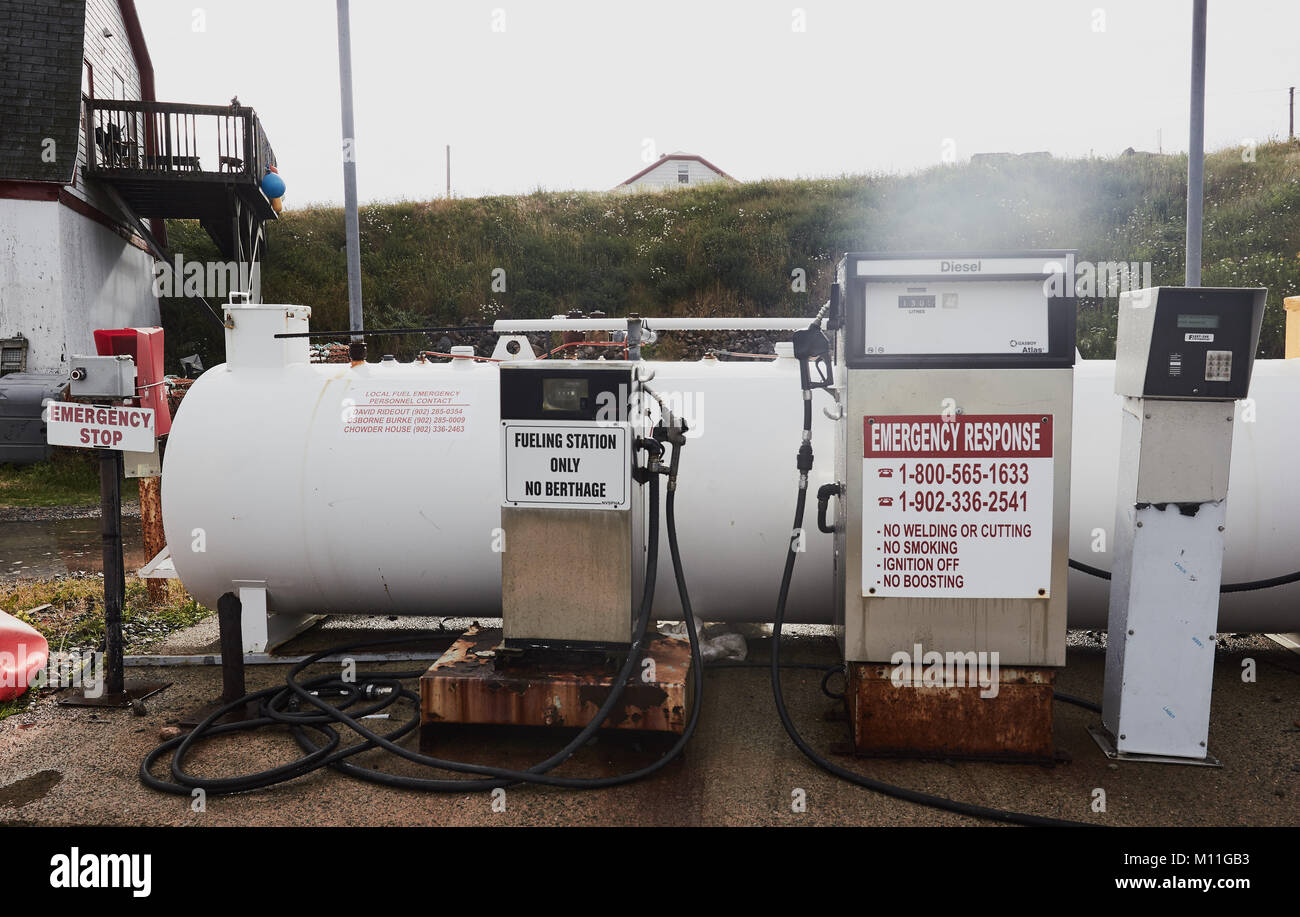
655 449
811 348
671 428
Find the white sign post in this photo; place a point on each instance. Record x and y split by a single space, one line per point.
111 430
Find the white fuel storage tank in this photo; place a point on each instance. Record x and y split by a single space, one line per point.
377 488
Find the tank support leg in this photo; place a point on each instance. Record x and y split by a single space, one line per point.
262 630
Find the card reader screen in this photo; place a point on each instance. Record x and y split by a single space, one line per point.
567 395
1198 321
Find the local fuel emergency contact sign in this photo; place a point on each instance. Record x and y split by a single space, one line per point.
957 507
567 465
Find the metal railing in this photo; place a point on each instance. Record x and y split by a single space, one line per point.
176 140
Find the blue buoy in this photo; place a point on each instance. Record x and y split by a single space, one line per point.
272 185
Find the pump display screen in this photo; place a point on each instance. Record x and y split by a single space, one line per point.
1198 321
564 395
997 318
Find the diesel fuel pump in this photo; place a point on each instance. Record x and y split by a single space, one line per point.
1002 344
952 524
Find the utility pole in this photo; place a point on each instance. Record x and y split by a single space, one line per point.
350 220
1291 132
1196 148
449 171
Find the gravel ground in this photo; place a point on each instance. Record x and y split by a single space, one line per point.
61 765
130 509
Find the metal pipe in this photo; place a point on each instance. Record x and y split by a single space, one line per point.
350 218
204 659
523 325
110 511
1196 147
230 616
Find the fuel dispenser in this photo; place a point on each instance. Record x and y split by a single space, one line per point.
1182 357
953 463
572 516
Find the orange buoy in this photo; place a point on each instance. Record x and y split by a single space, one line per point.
23 653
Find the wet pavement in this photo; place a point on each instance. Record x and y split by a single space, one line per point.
44 548
740 769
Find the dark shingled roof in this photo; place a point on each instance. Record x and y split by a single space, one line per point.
41 47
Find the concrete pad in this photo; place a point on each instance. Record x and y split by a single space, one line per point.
63 766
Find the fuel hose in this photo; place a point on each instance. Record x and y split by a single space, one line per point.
804 462
318 725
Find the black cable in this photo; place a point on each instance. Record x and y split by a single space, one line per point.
1077 701
879 786
830 673
279 705
1248 586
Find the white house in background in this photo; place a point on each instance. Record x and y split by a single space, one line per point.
674 170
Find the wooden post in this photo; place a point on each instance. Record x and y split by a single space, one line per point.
152 526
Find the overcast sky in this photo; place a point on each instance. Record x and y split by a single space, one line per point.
571 95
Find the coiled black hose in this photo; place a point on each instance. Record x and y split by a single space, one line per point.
281 705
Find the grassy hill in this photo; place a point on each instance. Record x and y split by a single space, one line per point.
731 249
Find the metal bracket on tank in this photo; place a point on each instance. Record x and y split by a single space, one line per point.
262 630
513 347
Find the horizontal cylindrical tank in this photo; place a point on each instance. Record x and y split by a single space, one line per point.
376 488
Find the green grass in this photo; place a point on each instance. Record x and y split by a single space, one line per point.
75 616
69 478
730 249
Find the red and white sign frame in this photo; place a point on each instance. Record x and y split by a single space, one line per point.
97 426
957 506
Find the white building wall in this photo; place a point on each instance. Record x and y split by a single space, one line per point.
31 294
107 282
62 275
664 176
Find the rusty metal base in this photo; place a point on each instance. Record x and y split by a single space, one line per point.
473 684
952 722
133 691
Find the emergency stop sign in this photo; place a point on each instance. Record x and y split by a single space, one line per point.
91 426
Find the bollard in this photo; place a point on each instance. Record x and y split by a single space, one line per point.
110 492
229 614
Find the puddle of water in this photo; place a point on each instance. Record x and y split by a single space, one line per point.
33 550
29 789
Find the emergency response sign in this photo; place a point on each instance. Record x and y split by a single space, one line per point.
89 426
957 507
567 465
